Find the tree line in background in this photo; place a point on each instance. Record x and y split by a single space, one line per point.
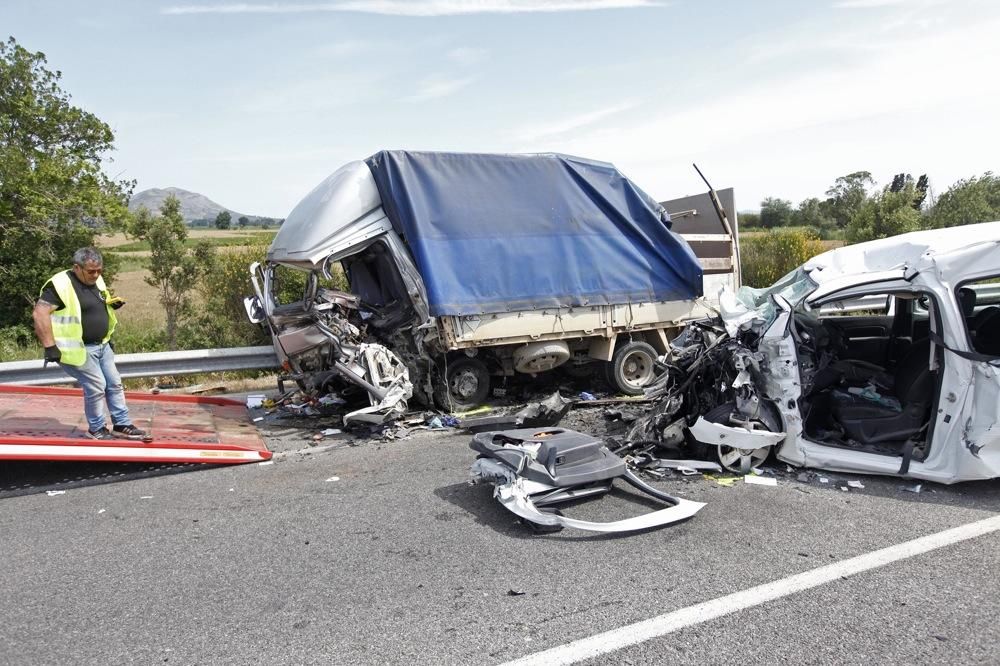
224 220
55 198
856 210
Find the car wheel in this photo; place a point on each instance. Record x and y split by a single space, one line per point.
738 461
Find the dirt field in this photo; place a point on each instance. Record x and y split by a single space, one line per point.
115 240
142 307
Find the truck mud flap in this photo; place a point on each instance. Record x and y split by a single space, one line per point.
42 423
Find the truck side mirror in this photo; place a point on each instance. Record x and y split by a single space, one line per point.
255 313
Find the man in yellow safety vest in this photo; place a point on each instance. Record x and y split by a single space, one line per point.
74 319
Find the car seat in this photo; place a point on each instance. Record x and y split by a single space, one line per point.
871 422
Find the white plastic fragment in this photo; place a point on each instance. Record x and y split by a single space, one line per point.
914 489
146 497
823 479
53 493
856 484
259 418
266 462
760 480
333 478
254 401
331 431
232 490
101 511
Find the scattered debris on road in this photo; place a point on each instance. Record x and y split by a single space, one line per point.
532 470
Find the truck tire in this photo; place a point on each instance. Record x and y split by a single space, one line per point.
466 386
632 367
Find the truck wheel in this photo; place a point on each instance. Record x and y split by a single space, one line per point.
632 367
467 385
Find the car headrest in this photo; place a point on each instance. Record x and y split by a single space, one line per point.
967 301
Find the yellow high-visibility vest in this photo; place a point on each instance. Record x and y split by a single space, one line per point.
67 323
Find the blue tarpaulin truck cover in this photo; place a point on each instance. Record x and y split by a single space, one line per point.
496 233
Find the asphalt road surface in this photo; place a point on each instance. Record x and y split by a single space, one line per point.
348 552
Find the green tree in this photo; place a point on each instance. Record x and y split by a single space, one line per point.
814 214
749 220
243 221
920 186
775 213
174 270
967 202
847 195
54 196
223 220
886 214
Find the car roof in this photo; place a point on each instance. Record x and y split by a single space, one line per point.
910 250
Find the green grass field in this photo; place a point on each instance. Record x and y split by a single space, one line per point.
195 238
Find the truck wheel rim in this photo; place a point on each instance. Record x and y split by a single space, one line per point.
637 369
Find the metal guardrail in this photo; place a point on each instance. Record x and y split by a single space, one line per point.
986 294
31 373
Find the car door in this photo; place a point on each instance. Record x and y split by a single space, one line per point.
865 324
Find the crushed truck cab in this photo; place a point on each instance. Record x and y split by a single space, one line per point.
462 267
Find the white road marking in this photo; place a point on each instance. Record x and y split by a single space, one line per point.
633 634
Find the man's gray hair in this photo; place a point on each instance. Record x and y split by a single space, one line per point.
86 255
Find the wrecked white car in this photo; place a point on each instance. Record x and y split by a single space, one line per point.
467 267
878 358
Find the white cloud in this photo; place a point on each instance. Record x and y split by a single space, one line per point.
536 132
413 7
921 92
435 87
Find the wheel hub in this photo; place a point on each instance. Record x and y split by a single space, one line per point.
465 384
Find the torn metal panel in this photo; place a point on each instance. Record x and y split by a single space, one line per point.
532 468
734 436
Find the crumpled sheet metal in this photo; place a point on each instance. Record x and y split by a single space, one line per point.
548 412
517 494
734 436
516 499
386 371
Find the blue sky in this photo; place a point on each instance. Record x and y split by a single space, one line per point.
252 104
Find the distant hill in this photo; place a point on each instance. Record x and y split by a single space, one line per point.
196 208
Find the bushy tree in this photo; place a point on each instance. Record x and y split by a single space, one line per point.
223 220
749 220
54 196
920 186
243 221
967 202
847 195
775 213
814 214
886 214
174 269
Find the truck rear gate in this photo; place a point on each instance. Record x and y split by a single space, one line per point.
43 423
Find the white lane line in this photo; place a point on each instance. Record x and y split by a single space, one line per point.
633 634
